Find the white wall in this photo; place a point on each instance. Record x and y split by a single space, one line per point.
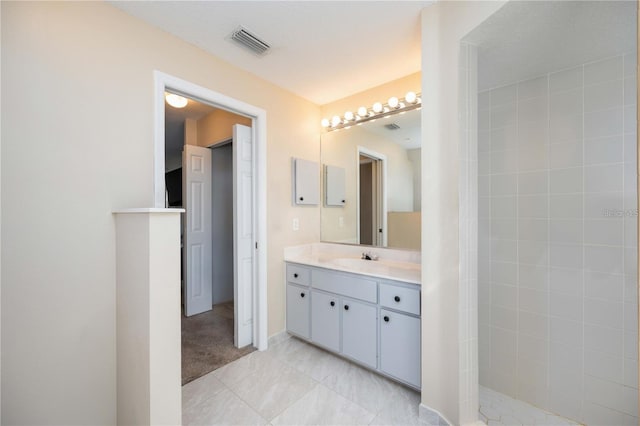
77 143
443 26
558 276
222 223
415 157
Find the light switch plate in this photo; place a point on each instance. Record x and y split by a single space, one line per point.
296 224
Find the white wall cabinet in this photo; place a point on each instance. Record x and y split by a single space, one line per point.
334 186
342 312
306 182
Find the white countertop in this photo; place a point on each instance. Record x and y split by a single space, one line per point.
398 265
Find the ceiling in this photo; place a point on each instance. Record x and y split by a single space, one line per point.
320 50
527 39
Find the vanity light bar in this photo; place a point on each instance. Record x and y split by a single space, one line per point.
394 105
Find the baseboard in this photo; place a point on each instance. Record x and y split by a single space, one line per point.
432 417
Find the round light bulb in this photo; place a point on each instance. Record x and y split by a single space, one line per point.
393 102
335 121
362 112
176 101
377 107
325 122
410 97
348 116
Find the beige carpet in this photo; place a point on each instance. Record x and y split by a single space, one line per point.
207 342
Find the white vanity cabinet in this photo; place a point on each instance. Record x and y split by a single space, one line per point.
374 322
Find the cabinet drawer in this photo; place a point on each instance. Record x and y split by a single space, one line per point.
400 298
345 285
298 274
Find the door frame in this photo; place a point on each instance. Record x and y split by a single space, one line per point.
382 191
163 82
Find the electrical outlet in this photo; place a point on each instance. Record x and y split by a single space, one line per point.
341 222
296 224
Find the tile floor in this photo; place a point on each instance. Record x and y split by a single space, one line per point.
497 409
294 383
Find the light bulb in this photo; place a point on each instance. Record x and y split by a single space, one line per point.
325 122
377 107
348 116
176 101
335 121
410 97
393 102
362 112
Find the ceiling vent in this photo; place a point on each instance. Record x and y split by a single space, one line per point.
392 126
250 41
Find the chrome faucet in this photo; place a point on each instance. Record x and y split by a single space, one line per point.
369 256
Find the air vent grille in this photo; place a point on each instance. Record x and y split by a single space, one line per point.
250 41
392 126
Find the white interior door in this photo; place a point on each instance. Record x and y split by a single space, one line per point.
243 239
197 238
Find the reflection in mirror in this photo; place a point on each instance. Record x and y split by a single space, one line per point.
375 167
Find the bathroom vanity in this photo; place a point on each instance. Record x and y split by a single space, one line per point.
364 310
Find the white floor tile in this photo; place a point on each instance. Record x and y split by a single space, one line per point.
322 406
199 390
224 408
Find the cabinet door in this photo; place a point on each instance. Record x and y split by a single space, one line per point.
298 310
307 182
359 332
325 320
334 186
400 346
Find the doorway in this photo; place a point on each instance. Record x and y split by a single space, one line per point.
254 148
372 227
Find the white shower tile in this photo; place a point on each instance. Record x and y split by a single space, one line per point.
630 288
630 64
504 138
504 273
566 306
631 345
603 259
565 180
566 206
533 277
604 70
630 321
484 163
504 161
565 127
534 348
531 133
603 339
484 185
504 318
534 206
631 148
605 95
608 231
630 90
532 182
603 178
604 366
484 119
565 80
603 313
505 184
630 178
503 115
533 252
504 349
565 361
533 88
631 373
631 261
533 229
533 158
504 95
597 205
533 109
604 150
566 331
504 229
534 325
504 250
630 119
505 296
565 231
595 414
484 100
599 124
612 395
484 141
565 154
630 231
566 103
503 207
567 281
531 300
565 255
601 285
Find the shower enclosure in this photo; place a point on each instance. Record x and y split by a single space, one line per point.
549 157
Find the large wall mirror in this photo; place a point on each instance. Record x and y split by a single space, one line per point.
371 183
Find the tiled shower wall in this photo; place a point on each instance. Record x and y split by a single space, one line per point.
558 241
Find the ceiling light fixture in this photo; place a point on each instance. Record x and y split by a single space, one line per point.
394 105
176 101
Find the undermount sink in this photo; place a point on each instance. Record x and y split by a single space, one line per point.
363 264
